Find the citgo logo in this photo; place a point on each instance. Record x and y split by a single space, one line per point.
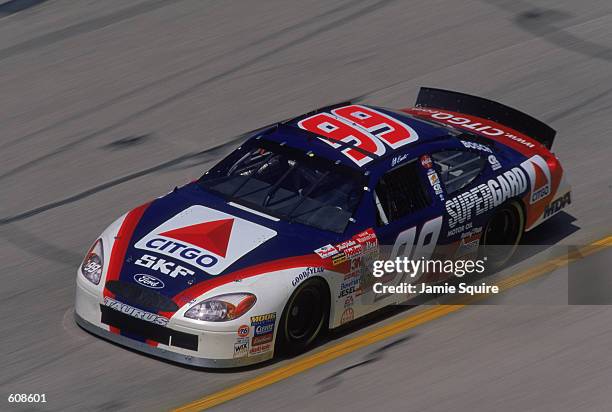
539 175
206 238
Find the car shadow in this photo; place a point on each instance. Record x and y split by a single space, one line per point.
543 237
537 240
540 239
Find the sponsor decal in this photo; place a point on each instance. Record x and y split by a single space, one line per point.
356 246
495 165
486 196
92 267
465 122
134 312
468 246
347 316
367 238
471 232
349 286
360 250
348 301
434 181
241 347
260 340
357 268
256 350
305 275
148 281
477 146
350 248
354 268
339 259
426 162
557 204
539 176
263 318
519 140
361 263
263 331
464 230
244 331
326 251
343 246
433 177
371 131
398 159
353 274
205 238
164 266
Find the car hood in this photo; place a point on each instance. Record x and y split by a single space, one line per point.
191 236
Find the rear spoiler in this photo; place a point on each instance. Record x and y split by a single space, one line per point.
487 109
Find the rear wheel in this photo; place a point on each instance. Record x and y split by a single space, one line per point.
304 318
502 234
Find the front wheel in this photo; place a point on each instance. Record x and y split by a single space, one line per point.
502 234
304 318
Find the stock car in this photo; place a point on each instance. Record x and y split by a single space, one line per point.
273 245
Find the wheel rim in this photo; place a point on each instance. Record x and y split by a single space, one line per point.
501 235
502 228
305 315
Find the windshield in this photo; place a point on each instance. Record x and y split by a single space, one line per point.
288 184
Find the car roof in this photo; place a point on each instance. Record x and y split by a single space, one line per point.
290 134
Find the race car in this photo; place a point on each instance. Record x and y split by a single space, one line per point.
273 245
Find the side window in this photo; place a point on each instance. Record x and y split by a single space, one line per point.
400 192
457 168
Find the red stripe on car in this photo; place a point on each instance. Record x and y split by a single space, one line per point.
263 268
122 241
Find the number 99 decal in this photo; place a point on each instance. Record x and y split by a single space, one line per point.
366 128
408 246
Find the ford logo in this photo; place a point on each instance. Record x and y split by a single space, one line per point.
149 281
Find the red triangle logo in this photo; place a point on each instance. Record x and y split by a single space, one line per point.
540 177
213 236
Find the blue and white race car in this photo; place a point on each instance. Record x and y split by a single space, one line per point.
274 244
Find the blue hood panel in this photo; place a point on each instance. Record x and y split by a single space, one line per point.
190 236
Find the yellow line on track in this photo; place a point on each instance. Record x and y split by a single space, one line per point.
350 345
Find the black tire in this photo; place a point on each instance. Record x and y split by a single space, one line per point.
305 317
502 234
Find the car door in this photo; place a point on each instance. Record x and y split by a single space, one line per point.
409 207
459 172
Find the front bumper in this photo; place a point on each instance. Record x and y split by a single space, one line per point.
197 347
164 353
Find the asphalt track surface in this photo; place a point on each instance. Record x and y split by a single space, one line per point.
105 105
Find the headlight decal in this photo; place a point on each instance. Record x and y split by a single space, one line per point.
93 264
